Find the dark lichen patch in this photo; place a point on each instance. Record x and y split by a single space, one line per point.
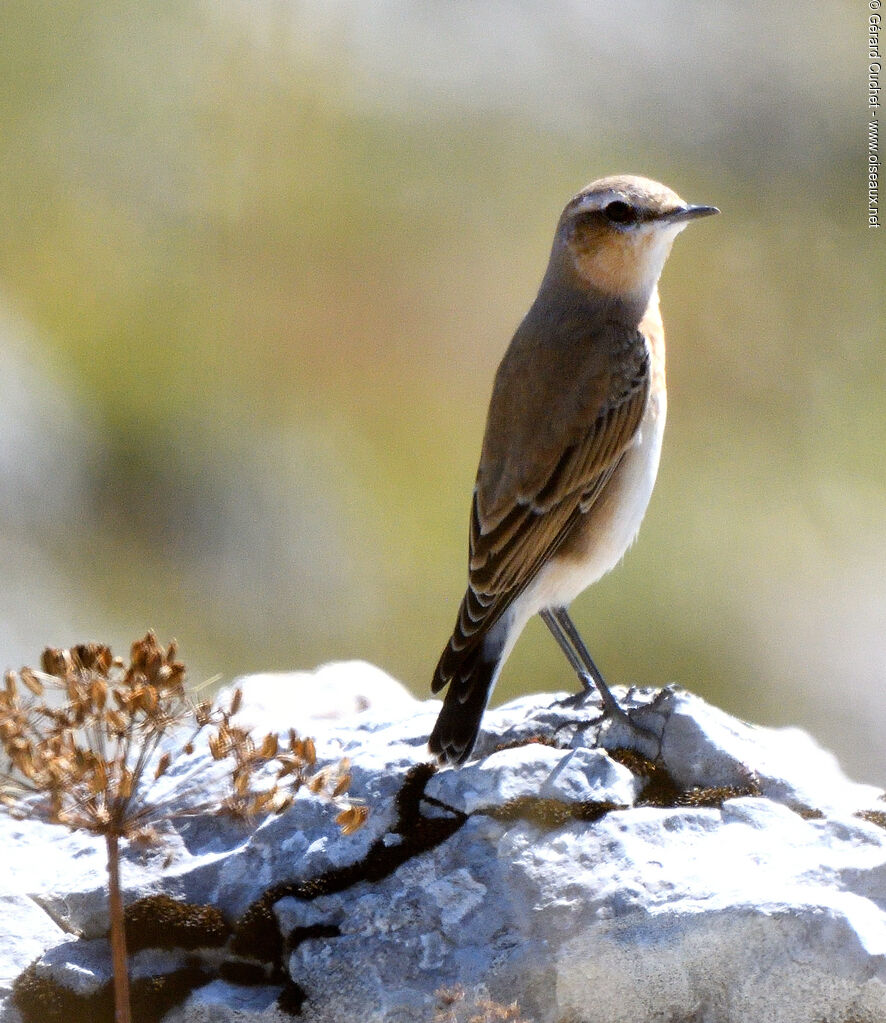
590 811
711 796
877 817
662 790
42 1000
257 934
417 834
291 999
659 789
539 739
246 974
635 762
544 813
550 813
160 921
153 997
808 813
299 934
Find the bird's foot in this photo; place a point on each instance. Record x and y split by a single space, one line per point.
619 722
579 699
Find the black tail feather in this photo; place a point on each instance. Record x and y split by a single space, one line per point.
455 733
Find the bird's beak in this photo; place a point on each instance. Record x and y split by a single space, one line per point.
688 213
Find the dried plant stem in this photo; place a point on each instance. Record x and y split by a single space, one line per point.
118 934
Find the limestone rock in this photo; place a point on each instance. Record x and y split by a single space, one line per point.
733 875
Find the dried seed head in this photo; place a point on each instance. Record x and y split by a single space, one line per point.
153 663
99 780
30 679
147 699
126 784
220 745
57 662
91 657
98 694
352 819
269 746
140 650
116 722
163 765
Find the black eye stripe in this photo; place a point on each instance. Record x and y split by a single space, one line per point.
616 212
619 212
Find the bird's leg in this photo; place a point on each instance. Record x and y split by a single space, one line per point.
567 636
564 631
560 636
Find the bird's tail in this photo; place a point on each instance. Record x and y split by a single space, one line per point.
470 674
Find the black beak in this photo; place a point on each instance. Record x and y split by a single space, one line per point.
689 213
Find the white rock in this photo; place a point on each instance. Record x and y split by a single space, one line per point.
513 874
339 691
27 932
704 746
535 770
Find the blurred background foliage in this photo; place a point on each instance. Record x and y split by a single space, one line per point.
259 261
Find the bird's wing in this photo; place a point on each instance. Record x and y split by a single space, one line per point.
510 540
507 556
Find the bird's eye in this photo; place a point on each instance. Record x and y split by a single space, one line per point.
618 212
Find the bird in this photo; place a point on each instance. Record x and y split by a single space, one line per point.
571 447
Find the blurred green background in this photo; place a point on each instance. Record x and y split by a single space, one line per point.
259 261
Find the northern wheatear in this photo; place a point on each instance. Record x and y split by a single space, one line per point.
572 443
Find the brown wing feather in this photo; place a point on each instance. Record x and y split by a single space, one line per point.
503 557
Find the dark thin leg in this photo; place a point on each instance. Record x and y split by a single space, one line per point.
565 633
568 626
563 641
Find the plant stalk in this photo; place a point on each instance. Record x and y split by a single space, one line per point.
122 1008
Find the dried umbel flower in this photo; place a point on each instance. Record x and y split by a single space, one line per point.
79 737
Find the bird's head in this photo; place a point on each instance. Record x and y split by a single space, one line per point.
615 235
